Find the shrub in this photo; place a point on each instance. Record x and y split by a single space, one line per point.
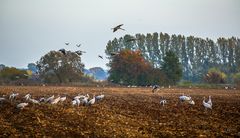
236 78
215 76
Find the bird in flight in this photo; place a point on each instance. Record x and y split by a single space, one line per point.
63 51
78 45
79 52
118 27
67 43
100 56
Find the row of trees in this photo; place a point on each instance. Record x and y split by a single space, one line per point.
196 55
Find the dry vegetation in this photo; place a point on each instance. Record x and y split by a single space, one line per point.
125 112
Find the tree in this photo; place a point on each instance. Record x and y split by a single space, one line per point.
33 67
128 68
196 55
55 67
9 74
172 67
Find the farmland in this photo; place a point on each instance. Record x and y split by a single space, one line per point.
124 112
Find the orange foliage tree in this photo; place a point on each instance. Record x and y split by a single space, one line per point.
130 68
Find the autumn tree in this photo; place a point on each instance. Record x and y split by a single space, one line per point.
215 76
129 67
172 67
55 67
9 74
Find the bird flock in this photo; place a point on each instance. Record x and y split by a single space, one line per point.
78 100
188 99
115 29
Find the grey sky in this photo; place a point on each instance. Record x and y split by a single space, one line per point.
31 28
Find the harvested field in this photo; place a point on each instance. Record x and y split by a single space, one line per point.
124 112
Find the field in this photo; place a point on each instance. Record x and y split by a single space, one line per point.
124 112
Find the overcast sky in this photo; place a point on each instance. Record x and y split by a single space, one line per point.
31 28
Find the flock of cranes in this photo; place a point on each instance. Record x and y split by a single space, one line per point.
85 100
189 100
116 28
76 101
184 98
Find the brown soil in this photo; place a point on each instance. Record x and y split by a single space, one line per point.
124 112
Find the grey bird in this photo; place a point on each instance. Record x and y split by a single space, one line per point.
79 52
100 56
63 51
78 45
117 28
155 87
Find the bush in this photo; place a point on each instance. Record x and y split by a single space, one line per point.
215 76
236 78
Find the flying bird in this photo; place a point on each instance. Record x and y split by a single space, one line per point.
117 28
67 43
63 51
79 52
78 45
100 56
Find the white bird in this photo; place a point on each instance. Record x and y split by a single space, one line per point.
42 99
50 99
155 88
209 100
184 98
206 105
13 96
99 97
84 100
63 98
27 96
33 101
79 97
55 101
76 102
92 101
163 101
191 102
2 99
22 105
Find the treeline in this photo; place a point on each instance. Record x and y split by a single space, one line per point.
196 55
